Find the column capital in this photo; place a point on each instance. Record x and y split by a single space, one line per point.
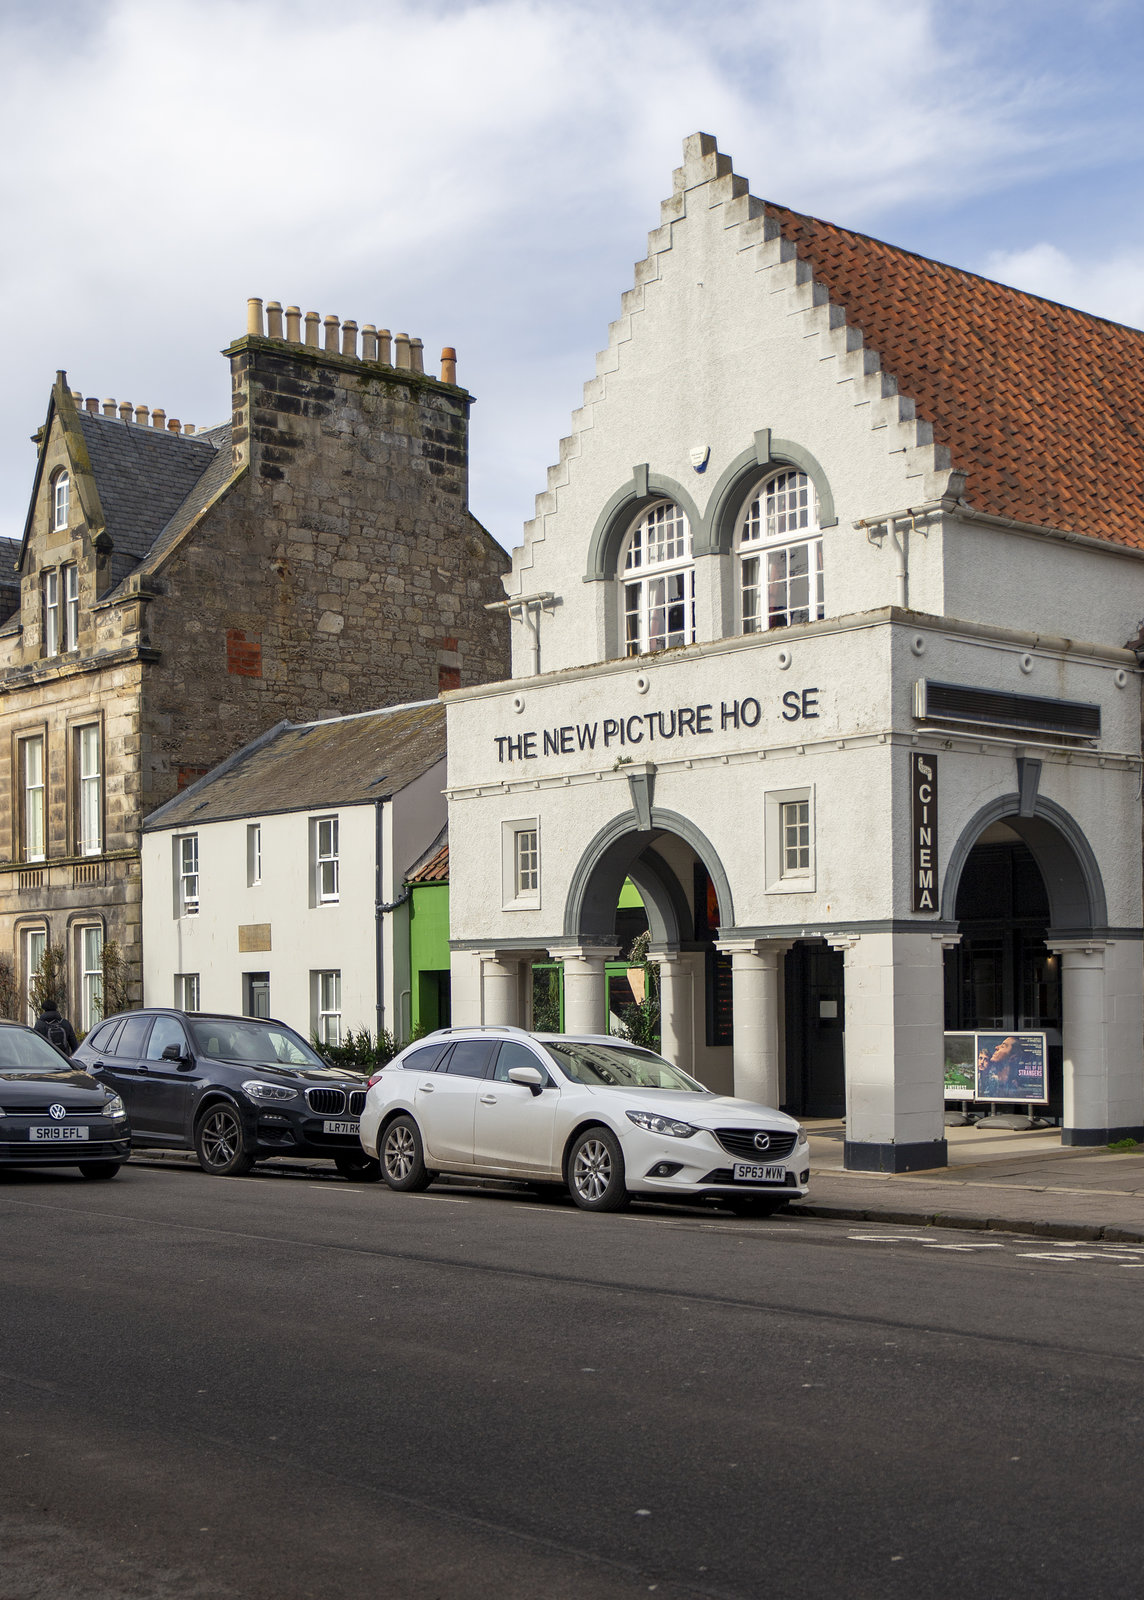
588 952
1072 947
753 947
842 941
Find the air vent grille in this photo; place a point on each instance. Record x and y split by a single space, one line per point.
1028 713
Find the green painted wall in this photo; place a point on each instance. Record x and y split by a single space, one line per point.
428 952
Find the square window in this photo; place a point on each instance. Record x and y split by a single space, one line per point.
187 991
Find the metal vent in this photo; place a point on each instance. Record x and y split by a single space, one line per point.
1027 713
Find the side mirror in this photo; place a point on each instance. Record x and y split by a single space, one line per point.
174 1052
531 1077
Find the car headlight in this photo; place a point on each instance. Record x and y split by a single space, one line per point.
257 1090
801 1137
652 1122
115 1108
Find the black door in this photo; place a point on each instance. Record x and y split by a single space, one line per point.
815 1058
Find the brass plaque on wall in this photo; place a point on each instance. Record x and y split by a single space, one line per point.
253 936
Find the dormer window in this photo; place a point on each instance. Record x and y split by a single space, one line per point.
659 581
780 555
61 494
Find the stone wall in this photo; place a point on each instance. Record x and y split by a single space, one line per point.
342 569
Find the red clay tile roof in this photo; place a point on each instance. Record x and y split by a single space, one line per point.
1041 405
435 870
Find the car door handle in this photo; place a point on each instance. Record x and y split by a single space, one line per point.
425 1088
488 1099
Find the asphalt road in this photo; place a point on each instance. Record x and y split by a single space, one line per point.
289 1386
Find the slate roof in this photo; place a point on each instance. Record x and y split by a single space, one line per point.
1040 404
9 578
342 761
433 866
143 476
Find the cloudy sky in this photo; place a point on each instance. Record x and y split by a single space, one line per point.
483 173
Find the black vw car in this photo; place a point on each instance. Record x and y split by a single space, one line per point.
53 1115
233 1089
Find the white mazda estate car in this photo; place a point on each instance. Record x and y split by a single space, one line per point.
604 1118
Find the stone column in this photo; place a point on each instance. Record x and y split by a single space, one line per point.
895 1020
676 1008
585 996
1101 1011
755 968
500 988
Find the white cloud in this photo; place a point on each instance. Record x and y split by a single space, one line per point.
479 172
1109 286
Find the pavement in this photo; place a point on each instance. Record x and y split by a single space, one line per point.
1002 1179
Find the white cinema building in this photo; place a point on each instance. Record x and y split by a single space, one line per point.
819 639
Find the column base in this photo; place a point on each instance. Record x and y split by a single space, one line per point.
858 1155
1100 1135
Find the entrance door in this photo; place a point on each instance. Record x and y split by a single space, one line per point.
816 1070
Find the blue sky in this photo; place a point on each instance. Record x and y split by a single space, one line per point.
484 175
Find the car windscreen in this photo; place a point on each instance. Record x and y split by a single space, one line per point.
21 1050
619 1067
267 1043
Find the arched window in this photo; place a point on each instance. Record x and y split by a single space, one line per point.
780 555
61 491
659 581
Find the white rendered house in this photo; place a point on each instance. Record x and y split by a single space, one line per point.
274 885
819 638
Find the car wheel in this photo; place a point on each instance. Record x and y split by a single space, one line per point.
403 1157
357 1166
99 1169
596 1171
220 1145
750 1206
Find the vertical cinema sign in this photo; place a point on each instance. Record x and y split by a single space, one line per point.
923 792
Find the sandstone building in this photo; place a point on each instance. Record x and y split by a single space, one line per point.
180 592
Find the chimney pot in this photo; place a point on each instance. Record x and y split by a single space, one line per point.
312 320
383 354
77 397
159 418
330 324
416 355
141 415
293 325
125 411
109 408
254 317
92 405
448 365
174 426
369 342
349 337
188 427
273 319
401 358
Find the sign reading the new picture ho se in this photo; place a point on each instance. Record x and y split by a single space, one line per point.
923 791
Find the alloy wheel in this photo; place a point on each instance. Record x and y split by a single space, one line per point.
592 1171
221 1137
400 1152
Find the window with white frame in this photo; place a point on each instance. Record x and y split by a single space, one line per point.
789 850
89 796
32 797
780 555
520 863
70 617
328 1007
90 976
658 581
35 946
253 854
187 875
326 864
61 499
187 991
51 598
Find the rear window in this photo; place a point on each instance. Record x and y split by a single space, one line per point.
103 1036
470 1057
133 1037
425 1059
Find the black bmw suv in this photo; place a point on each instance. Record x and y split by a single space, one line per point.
233 1089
